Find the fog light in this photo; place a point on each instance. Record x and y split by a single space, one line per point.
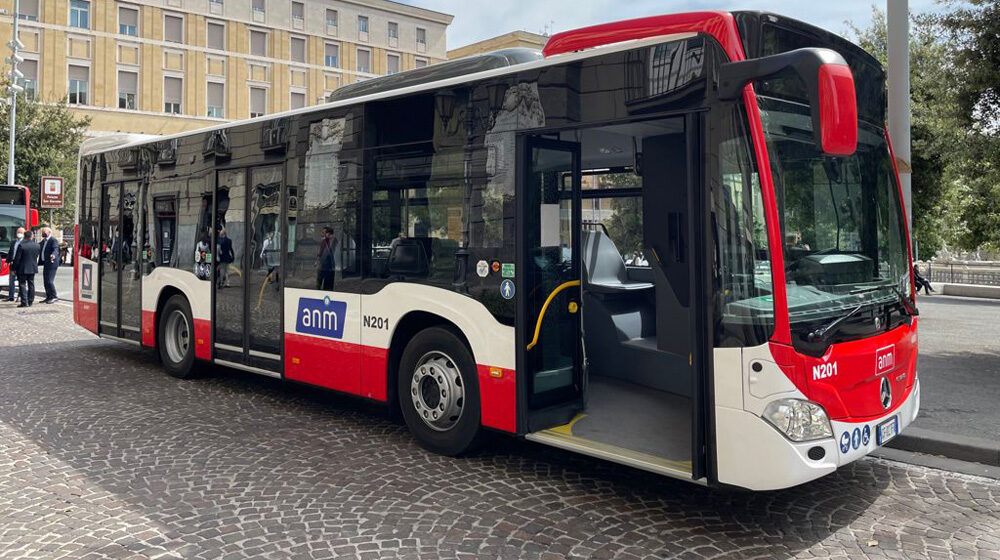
799 420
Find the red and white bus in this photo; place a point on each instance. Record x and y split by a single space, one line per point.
15 212
675 242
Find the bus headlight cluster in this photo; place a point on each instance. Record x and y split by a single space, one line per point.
799 420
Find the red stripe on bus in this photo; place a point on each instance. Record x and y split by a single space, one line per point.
203 339
374 373
149 328
498 398
86 314
326 363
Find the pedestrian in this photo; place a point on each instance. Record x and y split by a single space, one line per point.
11 253
224 252
26 265
327 260
50 264
921 282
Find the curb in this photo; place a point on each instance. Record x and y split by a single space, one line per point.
963 448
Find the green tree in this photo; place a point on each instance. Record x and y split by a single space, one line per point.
935 131
48 144
974 27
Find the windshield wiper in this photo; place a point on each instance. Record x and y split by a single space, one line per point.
908 304
821 334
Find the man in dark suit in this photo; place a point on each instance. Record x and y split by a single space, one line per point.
26 266
11 253
50 264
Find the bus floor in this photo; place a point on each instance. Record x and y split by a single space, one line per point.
625 417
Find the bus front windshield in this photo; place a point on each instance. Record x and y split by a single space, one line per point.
11 218
842 227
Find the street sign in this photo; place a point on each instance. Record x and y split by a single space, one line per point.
52 192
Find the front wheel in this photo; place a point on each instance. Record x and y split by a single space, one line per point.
439 392
175 335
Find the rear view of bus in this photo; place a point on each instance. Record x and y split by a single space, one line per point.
15 212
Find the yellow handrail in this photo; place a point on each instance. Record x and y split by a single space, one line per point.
545 307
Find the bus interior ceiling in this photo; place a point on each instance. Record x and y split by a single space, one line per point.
638 391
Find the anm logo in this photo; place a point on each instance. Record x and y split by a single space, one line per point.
321 317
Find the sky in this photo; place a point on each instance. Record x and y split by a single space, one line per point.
481 19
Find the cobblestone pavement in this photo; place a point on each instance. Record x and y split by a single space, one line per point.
104 456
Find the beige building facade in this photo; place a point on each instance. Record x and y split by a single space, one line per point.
166 66
524 39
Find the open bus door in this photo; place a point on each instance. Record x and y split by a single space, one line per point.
613 352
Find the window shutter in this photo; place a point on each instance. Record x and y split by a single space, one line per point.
172 88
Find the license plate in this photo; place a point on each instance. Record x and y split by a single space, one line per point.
887 430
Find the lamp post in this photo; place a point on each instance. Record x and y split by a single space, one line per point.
898 50
13 89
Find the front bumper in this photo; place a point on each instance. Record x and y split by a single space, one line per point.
752 454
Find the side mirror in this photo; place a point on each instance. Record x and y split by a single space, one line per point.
829 84
34 218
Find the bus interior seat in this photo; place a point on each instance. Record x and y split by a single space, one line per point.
605 268
408 257
619 322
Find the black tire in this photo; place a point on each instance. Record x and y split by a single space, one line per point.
453 435
179 362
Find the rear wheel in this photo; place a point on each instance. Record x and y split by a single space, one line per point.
439 392
175 335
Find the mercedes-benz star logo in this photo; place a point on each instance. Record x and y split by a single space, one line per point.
885 393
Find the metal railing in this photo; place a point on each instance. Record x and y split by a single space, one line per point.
982 273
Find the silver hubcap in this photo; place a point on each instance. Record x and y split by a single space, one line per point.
437 391
177 336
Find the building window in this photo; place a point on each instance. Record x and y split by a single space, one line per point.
298 11
298 48
258 43
173 94
258 9
362 24
128 88
28 10
364 61
298 100
217 2
79 14
216 100
332 56
421 37
393 31
258 102
392 64
216 35
128 21
30 80
331 18
173 28
79 84
419 62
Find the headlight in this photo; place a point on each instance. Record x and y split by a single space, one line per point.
799 420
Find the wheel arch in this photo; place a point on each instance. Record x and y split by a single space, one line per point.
407 327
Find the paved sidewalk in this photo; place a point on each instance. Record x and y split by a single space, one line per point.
104 456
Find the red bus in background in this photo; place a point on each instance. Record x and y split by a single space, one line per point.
675 242
15 212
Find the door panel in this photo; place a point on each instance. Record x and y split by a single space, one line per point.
248 279
551 289
129 265
264 272
230 204
110 246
